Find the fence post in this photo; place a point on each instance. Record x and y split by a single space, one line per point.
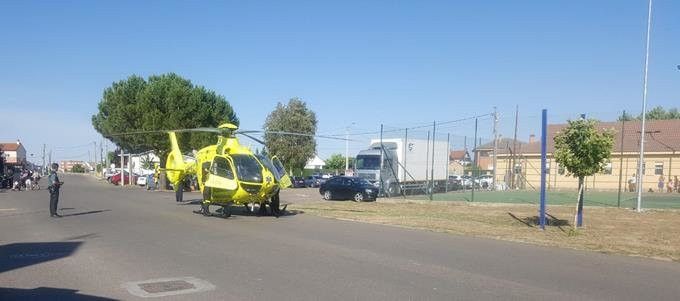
544 135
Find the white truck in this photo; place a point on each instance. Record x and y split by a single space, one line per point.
399 166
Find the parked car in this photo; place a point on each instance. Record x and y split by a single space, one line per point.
141 181
455 182
299 182
466 181
115 179
343 188
108 173
314 181
485 181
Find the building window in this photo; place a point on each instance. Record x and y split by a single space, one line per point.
518 168
547 166
607 169
644 167
658 168
560 169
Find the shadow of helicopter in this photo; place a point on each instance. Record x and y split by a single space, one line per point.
243 210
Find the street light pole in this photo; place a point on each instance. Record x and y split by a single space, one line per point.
347 147
644 112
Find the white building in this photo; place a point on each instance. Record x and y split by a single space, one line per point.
14 153
139 160
315 163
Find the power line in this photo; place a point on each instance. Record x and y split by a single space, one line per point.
429 125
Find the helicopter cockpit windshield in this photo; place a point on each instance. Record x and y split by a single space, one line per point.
247 168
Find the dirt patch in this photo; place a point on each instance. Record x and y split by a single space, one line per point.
653 233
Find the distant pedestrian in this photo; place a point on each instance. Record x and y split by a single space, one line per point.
149 182
669 186
53 186
179 190
675 184
156 176
660 185
631 183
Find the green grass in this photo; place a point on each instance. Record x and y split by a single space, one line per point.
592 198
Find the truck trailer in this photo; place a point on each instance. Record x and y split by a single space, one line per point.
401 166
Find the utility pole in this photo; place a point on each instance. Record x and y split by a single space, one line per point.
514 149
346 149
101 156
122 174
94 155
474 164
495 146
448 160
106 160
623 130
403 167
434 131
42 170
644 113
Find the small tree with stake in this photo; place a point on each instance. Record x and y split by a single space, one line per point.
583 150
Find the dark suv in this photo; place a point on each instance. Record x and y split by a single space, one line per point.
299 182
314 181
343 188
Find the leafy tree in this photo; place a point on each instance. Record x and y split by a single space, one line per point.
336 161
625 117
162 102
583 150
657 113
293 151
78 168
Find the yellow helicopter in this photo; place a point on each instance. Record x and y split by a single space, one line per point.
229 173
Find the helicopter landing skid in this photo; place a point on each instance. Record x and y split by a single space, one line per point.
223 212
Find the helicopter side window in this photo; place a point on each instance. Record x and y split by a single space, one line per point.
222 168
204 172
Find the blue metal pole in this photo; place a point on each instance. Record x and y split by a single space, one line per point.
544 138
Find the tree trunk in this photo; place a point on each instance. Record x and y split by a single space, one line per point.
578 217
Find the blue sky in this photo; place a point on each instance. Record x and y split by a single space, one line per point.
361 63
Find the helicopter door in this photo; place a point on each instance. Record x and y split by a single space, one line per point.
284 179
222 174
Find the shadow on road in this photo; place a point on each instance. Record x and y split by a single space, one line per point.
19 255
86 212
46 293
239 210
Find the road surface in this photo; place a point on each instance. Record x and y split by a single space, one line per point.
129 244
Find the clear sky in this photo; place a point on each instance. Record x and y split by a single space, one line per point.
358 64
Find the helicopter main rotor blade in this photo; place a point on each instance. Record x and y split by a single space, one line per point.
208 130
294 134
253 138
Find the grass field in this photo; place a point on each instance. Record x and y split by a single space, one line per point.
653 233
592 198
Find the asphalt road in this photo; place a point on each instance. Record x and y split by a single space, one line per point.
111 239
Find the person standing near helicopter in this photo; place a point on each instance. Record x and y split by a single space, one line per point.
53 186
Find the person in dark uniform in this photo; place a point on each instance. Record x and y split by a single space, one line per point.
53 187
179 190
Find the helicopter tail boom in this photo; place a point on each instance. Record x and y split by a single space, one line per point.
176 168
